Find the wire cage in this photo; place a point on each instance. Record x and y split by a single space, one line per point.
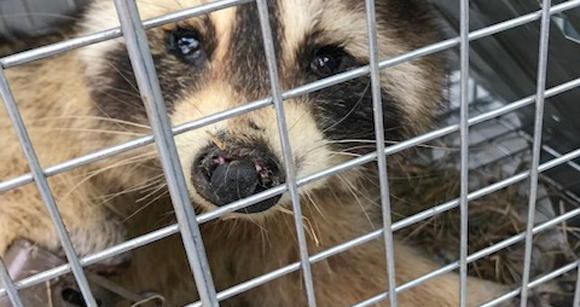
512 111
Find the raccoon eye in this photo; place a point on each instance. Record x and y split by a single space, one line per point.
187 46
328 61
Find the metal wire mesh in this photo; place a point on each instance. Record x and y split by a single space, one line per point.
188 223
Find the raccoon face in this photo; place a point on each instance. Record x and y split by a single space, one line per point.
214 62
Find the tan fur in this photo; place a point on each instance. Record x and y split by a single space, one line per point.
55 102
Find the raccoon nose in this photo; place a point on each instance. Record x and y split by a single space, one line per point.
222 178
233 180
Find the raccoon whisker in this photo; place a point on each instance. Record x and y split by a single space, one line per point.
369 133
263 236
351 110
370 179
316 207
310 230
149 203
131 160
307 225
349 149
41 14
120 90
298 119
352 190
232 228
257 223
349 154
323 144
138 158
152 185
162 6
158 188
129 104
144 186
87 130
390 142
129 81
98 118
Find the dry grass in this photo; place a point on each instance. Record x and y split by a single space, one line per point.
492 219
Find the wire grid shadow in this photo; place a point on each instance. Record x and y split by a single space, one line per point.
188 223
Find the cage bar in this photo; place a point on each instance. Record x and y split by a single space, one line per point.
476 256
414 219
81 41
537 145
291 182
169 230
311 87
133 28
563 270
50 50
9 285
576 302
376 89
43 187
148 83
464 150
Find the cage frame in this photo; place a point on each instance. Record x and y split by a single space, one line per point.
133 30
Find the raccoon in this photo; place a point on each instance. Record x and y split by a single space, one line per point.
87 99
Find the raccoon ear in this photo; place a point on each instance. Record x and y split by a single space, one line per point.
187 46
329 60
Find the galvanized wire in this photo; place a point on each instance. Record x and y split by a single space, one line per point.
208 216
536 282
537 145
9 285
44 189
291 183
412 220
464 144
93 38
478 255
380 144
148 83
576 302
26 56
188 222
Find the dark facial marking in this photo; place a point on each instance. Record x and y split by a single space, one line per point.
342 111
345 111
249 73
115 90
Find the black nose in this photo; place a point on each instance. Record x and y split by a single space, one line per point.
222 178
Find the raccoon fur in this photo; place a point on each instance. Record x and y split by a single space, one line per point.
87 99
